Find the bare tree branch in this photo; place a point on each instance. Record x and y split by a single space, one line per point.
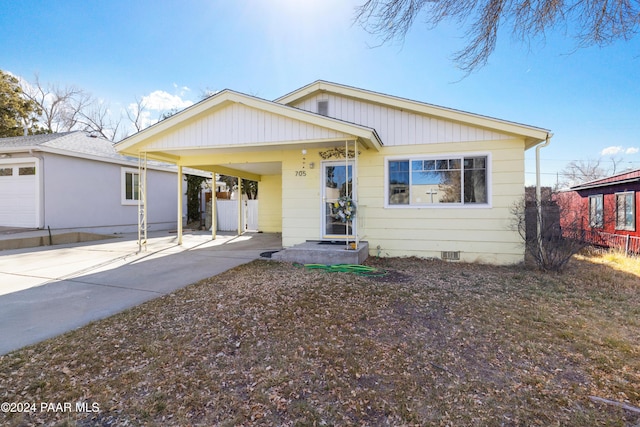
135 114
98 118
596 22
59 106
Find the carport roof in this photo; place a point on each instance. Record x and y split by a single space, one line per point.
171 138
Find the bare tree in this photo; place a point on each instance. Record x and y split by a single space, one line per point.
60 107
580 171
63 109
136 113
597 22
548 245
97 118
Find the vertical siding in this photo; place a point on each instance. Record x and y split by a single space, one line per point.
238 124
398 127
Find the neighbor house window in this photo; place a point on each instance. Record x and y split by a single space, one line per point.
596 211
625 211
443 181
130 181
6 171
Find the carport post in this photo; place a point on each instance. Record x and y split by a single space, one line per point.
239 196
180 178
214 199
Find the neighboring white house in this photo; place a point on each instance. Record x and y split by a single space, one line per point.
76 181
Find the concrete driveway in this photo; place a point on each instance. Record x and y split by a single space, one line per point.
50 290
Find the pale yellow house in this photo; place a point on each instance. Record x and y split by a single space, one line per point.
428 181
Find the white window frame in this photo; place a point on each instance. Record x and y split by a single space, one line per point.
625 227
123 186
460 205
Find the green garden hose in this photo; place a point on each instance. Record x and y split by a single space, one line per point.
360 270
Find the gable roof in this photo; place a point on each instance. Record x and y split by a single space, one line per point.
532 135
137 142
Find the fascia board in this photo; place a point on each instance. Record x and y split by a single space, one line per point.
23 149
604 184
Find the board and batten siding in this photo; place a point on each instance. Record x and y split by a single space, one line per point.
237 124
396 126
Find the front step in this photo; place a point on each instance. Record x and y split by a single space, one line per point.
327 253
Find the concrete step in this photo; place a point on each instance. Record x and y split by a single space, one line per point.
327 253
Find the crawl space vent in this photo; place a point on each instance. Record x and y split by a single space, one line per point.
450 255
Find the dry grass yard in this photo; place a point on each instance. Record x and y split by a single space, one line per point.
430 343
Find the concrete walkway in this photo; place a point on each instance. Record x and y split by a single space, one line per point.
47 291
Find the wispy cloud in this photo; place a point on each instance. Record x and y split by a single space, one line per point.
160 100
613 150
181 90
618 149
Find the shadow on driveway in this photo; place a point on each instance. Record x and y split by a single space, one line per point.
46 292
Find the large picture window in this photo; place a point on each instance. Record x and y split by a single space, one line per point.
625 211
596 211
447 181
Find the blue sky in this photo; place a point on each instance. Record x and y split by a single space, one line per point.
174 51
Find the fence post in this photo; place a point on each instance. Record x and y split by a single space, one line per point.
626 246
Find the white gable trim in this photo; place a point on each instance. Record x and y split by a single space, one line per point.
238 125
210 107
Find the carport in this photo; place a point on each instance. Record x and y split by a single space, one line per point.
250 138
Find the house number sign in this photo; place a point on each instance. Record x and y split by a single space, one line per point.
301 173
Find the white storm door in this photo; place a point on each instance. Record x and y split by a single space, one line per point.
337 181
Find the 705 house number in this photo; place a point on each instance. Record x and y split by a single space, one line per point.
301 173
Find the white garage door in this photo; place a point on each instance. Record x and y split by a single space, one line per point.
18 195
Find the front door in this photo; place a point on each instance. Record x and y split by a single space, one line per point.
337 181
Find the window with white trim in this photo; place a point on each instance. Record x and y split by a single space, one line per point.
625 211
438 181
596 211
130 189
